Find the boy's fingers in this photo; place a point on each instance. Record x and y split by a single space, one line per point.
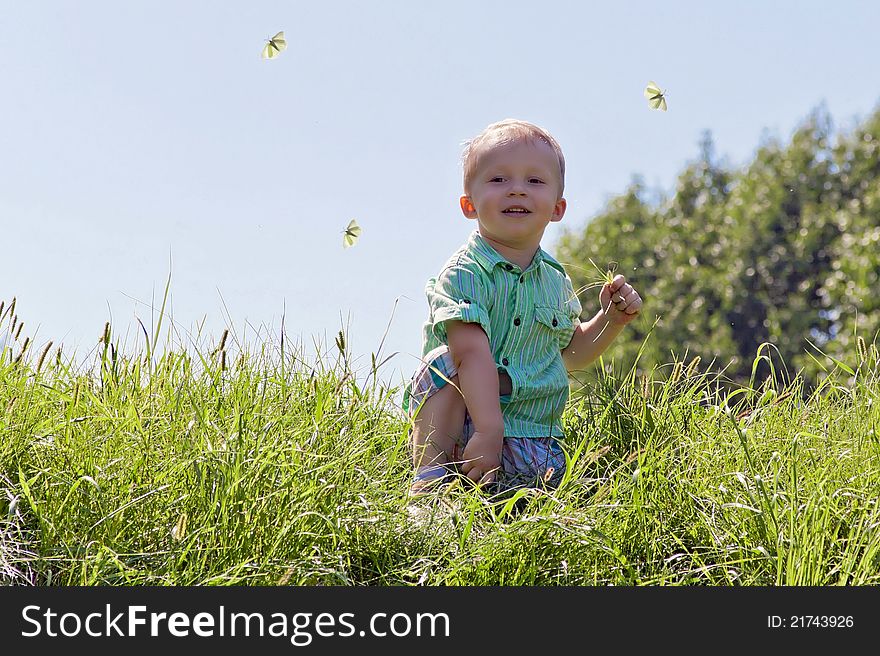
477 476
609 293
488 477
635 307
625 294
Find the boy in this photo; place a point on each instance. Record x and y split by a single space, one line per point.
504 323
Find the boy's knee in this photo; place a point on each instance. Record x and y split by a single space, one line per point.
453 391
449 395
445 403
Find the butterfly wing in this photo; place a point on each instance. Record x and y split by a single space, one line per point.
349 239
350 234
658 102
274 46
654 94
652 90
279 41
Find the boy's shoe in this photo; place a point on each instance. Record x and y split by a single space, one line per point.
428 479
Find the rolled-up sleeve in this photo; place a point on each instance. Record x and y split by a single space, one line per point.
461 295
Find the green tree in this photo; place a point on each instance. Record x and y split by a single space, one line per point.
851 283
784 250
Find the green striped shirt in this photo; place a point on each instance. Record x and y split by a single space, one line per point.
529 317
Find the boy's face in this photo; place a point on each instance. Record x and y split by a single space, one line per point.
515 193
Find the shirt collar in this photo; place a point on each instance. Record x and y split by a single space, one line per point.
488 258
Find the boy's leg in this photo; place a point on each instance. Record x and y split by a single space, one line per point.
437 428
440 415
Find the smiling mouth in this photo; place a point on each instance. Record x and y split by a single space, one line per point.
516 211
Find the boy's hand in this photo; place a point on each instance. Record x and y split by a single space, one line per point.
620 302
482 457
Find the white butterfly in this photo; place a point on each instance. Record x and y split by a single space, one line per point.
656 97
274 46
350 234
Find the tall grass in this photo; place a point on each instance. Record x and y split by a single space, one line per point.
218 464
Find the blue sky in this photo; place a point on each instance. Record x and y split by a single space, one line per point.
140 138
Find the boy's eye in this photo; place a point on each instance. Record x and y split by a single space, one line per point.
536 181
497 178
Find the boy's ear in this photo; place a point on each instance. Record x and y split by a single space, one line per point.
467 207
559 210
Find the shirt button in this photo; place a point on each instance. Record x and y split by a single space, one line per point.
509 267
555 322
516 321
505 362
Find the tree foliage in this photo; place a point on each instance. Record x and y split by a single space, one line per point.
784 250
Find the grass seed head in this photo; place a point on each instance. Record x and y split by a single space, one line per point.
286 577
179 530
863 350
24 348
610 271
43 355
689 372
647 384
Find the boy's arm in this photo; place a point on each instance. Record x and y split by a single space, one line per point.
478 382
587 343
620 304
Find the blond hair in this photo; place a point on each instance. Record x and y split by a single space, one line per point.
503 132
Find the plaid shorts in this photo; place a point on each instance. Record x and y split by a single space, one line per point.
524 460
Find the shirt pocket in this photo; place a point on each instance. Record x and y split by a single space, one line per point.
555 326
